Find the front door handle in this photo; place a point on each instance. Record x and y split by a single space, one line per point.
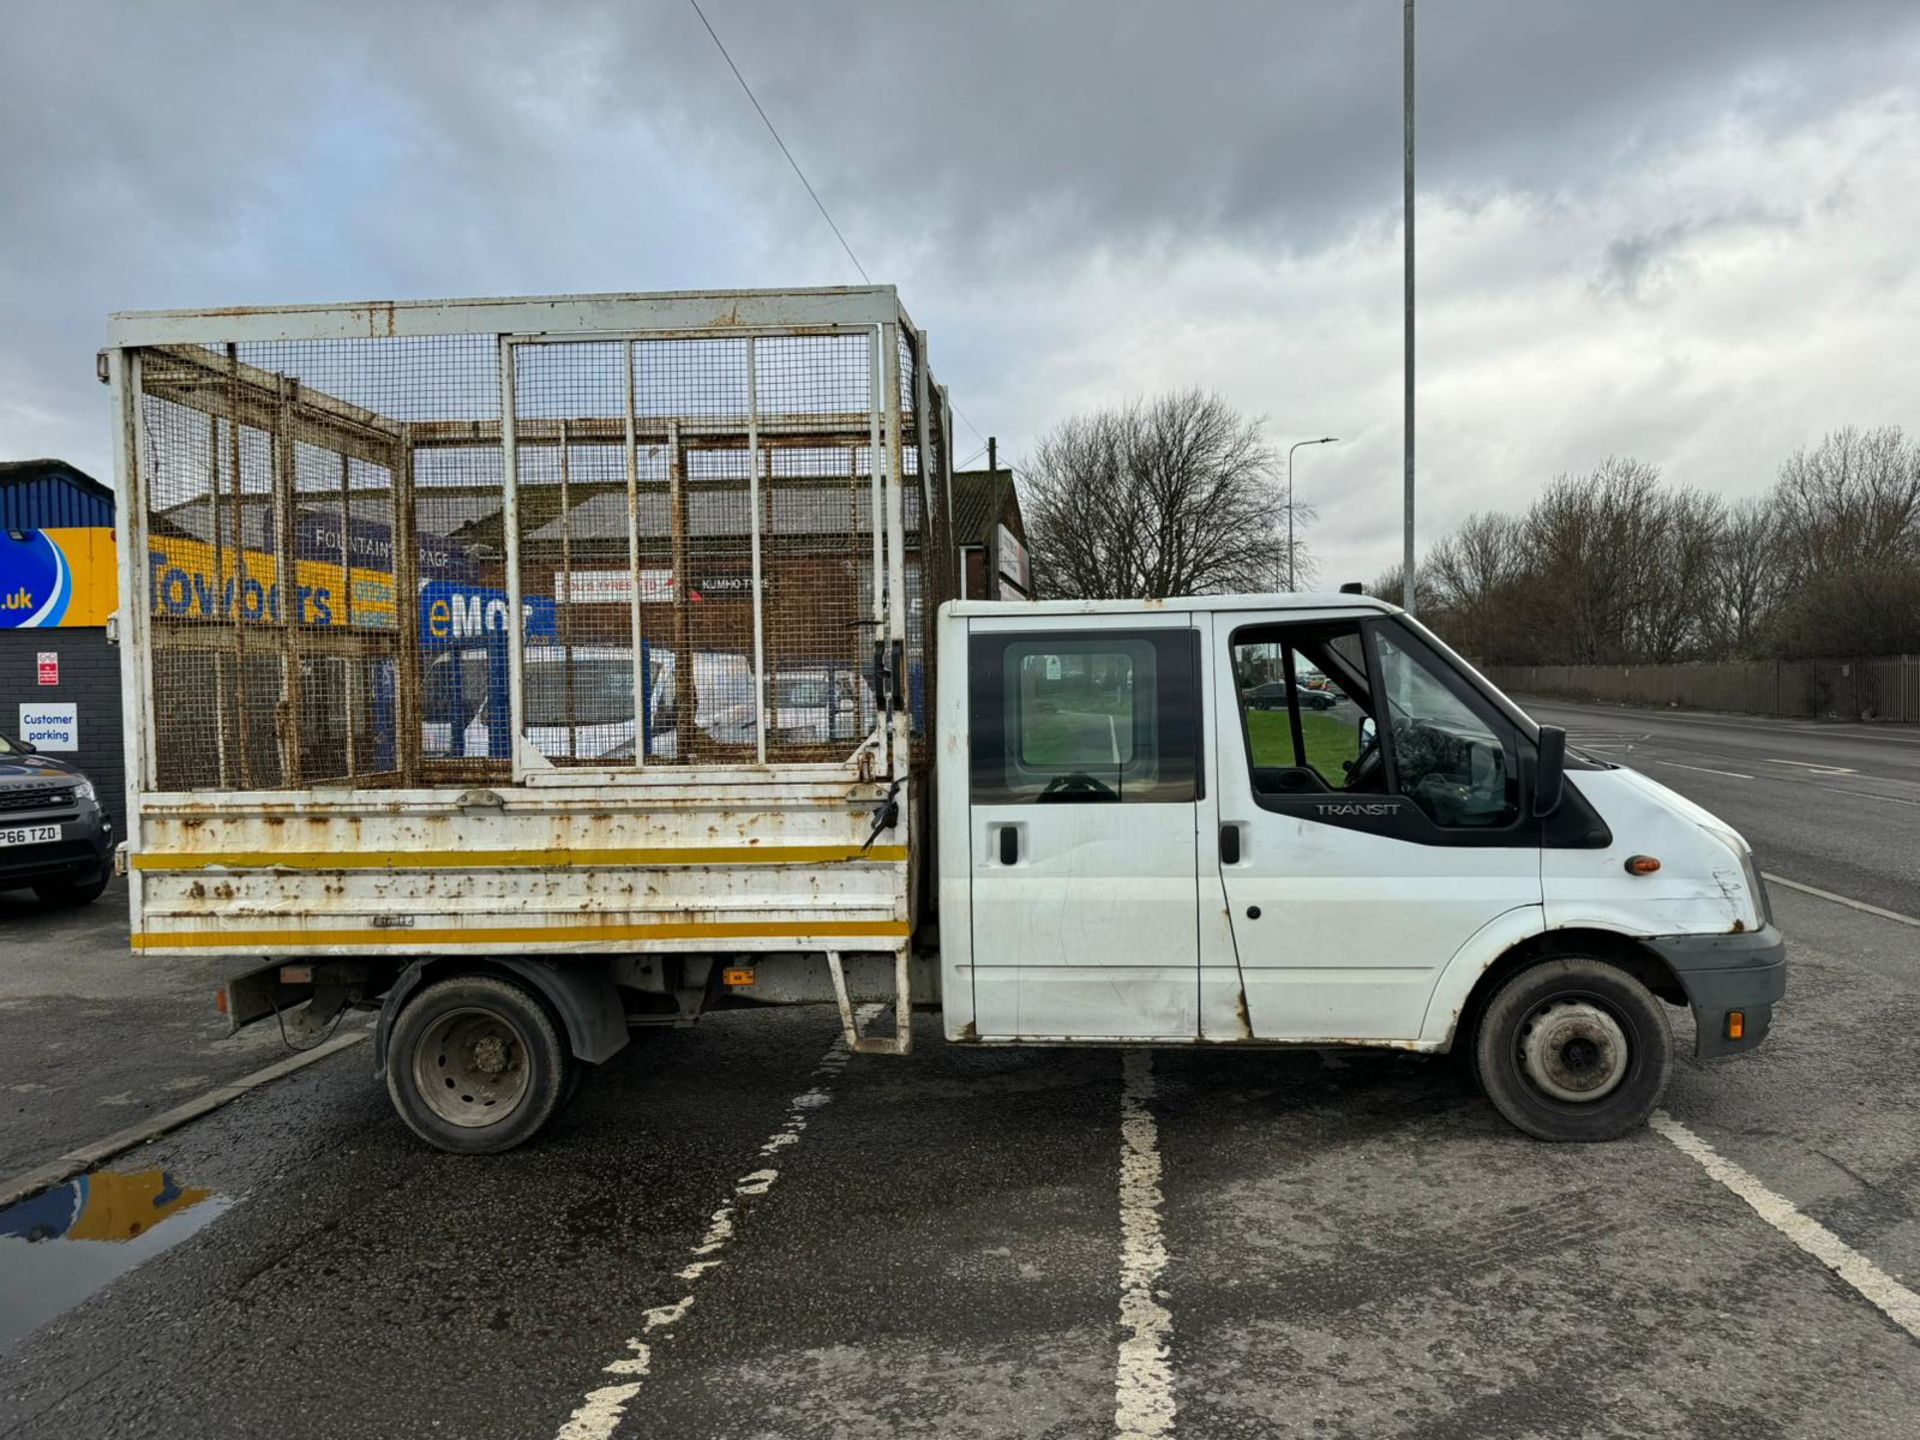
1229 844
1009 845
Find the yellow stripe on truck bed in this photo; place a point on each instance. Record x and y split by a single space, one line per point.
553 859
232 939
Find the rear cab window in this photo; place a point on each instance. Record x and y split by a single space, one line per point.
1084 717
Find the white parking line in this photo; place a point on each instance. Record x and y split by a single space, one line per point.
1817 769
601 1410
1879 1289
1846 900
1143 1379
1703 769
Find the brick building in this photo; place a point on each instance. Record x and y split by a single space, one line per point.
59 678
990 536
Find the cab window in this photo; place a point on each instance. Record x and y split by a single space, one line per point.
1084 717
1312 721
1446 758
1303 703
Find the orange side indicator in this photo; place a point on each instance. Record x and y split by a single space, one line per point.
1642 865
220 1000
1736 1024
737 975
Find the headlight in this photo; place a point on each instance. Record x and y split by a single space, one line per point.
83 790
1756 889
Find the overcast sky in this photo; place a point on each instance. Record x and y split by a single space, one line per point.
1678 229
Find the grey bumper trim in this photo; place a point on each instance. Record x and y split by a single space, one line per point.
1746 972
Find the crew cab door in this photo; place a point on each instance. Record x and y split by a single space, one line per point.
1371 821
1084 739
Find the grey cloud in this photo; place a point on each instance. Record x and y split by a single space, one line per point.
997 159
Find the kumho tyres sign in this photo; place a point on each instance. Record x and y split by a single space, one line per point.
57 578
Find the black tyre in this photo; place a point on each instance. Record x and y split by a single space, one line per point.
73 892
1574 1049
475 1065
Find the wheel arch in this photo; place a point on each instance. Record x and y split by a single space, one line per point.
1616 948
581 1000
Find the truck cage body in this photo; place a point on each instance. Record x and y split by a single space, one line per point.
579 625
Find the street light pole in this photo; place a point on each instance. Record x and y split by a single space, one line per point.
1406 582
1323 440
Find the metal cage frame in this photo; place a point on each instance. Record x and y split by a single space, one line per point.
195 336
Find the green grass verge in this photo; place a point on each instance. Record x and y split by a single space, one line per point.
1329 741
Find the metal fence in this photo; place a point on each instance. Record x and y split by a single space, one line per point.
1886 688
693 526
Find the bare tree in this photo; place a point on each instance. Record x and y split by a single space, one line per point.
1174 496
1747 578
1616 565
1848 513
1471 578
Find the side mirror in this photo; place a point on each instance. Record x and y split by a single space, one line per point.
1367 731
1550 774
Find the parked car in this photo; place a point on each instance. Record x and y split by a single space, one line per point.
1273 696
54 837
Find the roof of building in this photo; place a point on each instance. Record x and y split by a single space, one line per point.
51 495
979 498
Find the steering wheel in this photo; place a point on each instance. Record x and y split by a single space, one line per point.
1076 784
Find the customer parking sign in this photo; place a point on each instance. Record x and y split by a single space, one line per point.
50 727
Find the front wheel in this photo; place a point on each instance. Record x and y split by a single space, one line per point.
475 1065
1574 1049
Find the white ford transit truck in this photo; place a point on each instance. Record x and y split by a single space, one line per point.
424 610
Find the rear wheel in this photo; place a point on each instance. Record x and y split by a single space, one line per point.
1574 1049
475 1065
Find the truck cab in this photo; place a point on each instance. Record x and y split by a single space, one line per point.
1137 845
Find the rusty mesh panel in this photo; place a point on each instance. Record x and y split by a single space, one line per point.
815 399
695 581
576 579
291 585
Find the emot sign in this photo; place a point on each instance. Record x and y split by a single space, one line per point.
452 613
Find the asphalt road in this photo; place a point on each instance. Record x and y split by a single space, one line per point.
737 1231
92 1038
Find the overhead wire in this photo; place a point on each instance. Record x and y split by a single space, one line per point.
820 204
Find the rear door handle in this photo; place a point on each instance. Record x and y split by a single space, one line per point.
1229 844
1009 845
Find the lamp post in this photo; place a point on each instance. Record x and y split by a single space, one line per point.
1407 595
1323 440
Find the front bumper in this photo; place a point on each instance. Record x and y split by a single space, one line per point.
83 851
1745 972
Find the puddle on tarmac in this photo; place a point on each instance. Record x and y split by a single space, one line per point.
58 1247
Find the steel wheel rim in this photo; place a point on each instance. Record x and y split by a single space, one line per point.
1574 1051
471 1067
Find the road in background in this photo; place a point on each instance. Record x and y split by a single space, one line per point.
1835 806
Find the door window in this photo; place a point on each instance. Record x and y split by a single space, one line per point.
1303 701
1084 717
1446 758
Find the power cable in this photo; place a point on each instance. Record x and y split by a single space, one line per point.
812 193
782 144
